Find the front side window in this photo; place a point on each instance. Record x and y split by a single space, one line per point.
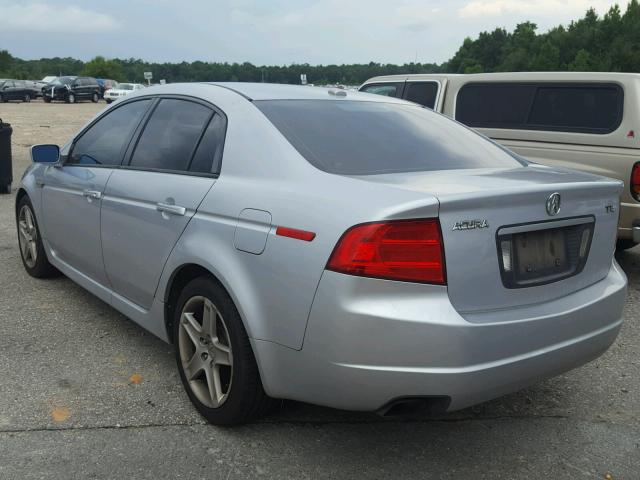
386 89
104 142
365 138
423 93
565 107
171 135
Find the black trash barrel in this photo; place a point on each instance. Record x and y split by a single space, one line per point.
6 168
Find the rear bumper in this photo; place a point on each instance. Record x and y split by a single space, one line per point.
369 342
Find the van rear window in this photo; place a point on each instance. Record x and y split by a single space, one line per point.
365 138
564 107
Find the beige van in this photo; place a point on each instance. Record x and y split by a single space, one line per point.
585 121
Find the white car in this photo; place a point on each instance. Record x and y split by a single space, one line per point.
121 90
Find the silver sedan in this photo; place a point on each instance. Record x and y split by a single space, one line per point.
333 247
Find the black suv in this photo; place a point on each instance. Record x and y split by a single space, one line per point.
71 89
15 90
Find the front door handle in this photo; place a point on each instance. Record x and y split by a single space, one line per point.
171 209
92 194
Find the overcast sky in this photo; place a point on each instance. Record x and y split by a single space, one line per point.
268 32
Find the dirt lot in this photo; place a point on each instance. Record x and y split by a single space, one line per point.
85 393
39 122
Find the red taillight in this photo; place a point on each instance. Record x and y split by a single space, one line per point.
406 250
635 181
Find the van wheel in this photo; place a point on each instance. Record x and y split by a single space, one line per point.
215 360
34 258
2 99
95 98
46 99
71 98
625 244
27 98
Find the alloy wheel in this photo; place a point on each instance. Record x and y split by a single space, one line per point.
28 236
205 351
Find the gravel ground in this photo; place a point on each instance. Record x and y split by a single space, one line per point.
87 394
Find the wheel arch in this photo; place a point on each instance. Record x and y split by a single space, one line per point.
20 194
180 277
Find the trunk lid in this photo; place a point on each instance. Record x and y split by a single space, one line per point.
487 212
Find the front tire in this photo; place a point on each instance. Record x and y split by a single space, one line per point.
214 357
27 98
34 258
108 101
3 99
71 98
46 99
95 98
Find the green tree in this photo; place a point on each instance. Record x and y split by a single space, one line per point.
100 67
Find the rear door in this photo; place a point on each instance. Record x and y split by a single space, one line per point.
149 202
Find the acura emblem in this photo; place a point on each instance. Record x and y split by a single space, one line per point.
553 204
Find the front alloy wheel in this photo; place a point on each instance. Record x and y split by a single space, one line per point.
34 258
28 236
205 351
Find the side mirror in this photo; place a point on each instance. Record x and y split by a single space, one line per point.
45 153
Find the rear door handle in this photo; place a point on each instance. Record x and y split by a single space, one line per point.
93 194
171 209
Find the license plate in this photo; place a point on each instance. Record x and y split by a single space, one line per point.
540 253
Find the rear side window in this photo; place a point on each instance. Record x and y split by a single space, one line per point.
424 93
171 135
364 138
386 89
104 142
578 108
209 153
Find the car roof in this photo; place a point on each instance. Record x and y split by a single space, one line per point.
511 76
275 91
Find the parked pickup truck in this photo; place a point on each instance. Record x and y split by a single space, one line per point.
584 121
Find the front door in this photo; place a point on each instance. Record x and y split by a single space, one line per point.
72 192
148 204
71 200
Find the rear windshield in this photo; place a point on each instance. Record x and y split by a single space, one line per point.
366 138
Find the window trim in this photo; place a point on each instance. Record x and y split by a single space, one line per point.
69 156
546 128
137 131
128 155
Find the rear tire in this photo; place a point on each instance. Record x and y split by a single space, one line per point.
2 99
34 257
625 244
5 188
225 393
46 99
27 98
71 98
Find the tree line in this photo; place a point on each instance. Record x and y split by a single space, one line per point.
592 43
